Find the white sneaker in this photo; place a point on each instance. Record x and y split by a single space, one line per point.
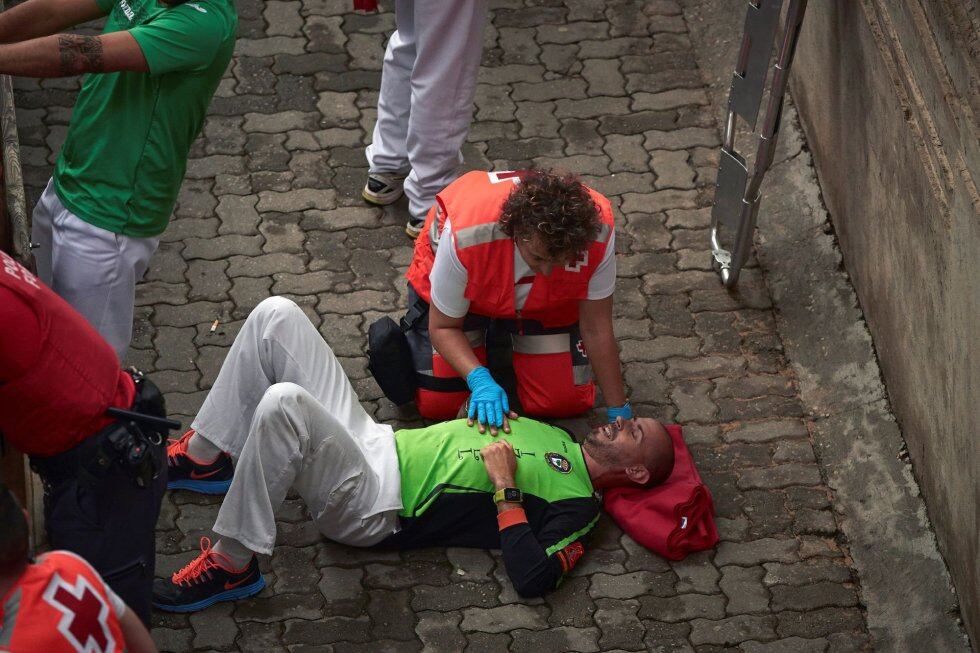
383 188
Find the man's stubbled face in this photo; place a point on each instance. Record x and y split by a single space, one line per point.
616 444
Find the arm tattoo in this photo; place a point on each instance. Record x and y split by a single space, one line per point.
80 54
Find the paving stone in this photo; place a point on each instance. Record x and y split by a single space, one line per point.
744 589
571 604
696 573
756 552
221 247
172 640
214 628
732 630
806 573
491 643
766 431
619 624
440 632
664 637
502 619
563 638
823 594
788 645
818 623
470 564
405 575
693 401
631 585
683 607
327 630
779 476
519 46
391 615
454 596
591 107
816 522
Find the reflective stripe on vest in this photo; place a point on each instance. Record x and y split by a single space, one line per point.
480 234
555 343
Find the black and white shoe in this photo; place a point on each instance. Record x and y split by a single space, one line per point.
207 579
413 228
383 188
186 473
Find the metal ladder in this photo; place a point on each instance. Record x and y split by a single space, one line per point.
737 194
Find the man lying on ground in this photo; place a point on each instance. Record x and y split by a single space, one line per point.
57 603
285 413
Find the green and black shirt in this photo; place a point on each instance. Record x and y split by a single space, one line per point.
447 498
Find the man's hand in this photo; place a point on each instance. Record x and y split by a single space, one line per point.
500 463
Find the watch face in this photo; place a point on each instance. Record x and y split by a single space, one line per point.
512 494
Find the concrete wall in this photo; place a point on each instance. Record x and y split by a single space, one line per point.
889 95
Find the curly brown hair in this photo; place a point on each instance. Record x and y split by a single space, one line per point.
556 207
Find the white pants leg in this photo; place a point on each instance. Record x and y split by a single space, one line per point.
388 151
296 442
447 43
284 409
92 269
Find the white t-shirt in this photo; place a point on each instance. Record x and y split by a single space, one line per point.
448 277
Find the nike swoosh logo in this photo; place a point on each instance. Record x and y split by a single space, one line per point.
229 585
197 476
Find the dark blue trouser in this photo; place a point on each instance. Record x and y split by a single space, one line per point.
109 522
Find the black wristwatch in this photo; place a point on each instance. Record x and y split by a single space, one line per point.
508 494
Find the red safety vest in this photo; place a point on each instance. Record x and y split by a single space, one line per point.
473 204
59 605
62 397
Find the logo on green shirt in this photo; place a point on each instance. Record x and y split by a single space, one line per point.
558 462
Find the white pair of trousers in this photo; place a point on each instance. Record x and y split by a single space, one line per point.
286 412
93 269
428 81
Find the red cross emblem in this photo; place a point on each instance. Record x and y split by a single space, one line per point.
577 265
85 615
580 346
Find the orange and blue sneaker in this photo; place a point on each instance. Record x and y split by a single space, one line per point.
186 473
208 579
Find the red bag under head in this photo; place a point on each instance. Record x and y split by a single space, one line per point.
673 518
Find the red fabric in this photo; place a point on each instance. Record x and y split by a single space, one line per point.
475 199
60 395
365 5
20 346
673 518
63 606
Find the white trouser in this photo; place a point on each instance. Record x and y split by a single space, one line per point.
92 269
428 81
284 409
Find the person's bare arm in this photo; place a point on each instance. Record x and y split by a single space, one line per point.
62 55
446 334
36 18
596 326
137 638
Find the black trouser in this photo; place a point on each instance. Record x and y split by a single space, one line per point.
107 517
111 524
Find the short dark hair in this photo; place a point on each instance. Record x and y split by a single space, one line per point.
13 533
555 206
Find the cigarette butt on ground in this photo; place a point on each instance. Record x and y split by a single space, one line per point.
214 326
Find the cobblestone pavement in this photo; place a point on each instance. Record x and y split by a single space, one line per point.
271 205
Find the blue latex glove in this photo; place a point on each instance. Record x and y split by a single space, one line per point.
488 403
625 411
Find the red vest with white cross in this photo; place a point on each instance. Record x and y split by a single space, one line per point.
59 605
473 204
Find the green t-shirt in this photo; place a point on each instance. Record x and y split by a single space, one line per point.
126 151
445 459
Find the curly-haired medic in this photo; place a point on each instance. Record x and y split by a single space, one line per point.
534 250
